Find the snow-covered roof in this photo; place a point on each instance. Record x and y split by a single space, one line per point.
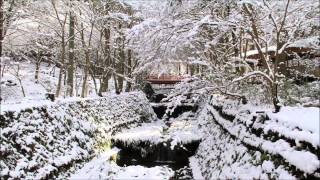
248 60
253 52
253 61
311 42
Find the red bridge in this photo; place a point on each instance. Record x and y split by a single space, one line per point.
164 79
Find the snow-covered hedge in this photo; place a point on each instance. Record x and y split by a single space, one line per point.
38 142
245 142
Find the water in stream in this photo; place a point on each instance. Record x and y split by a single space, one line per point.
159 155
147 154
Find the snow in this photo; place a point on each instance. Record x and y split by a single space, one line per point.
34 90
102 167
140 172
183 130
180 131
310 42
11 93
196 171
220 156
267 166
298 124
42 140
253 52
24 105
306 161
147 132
94 168
302 117
289 122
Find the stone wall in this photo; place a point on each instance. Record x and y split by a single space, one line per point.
49 140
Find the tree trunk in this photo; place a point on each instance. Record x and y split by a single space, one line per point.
1 25
107 62
192 70
104 84
22 89
128 85
275 100
38 62
86 72
59 82
71 56
36 76
234 43
94 81
86 68
2 70
116 84
20 82
63 50
120 64
107 57
120 78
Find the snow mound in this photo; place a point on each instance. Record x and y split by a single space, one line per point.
302 117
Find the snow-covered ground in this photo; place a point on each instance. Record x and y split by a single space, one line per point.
35 90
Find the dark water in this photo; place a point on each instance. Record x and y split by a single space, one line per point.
160 110
151 155
148 155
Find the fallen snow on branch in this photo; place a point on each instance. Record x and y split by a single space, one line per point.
254 73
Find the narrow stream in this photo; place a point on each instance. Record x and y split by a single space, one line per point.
150 155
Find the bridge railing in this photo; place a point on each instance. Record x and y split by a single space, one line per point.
164 79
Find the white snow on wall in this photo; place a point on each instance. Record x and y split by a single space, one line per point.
38 141
304 118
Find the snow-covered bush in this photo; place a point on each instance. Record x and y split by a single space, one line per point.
243 141
223 156
305 94
45 141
